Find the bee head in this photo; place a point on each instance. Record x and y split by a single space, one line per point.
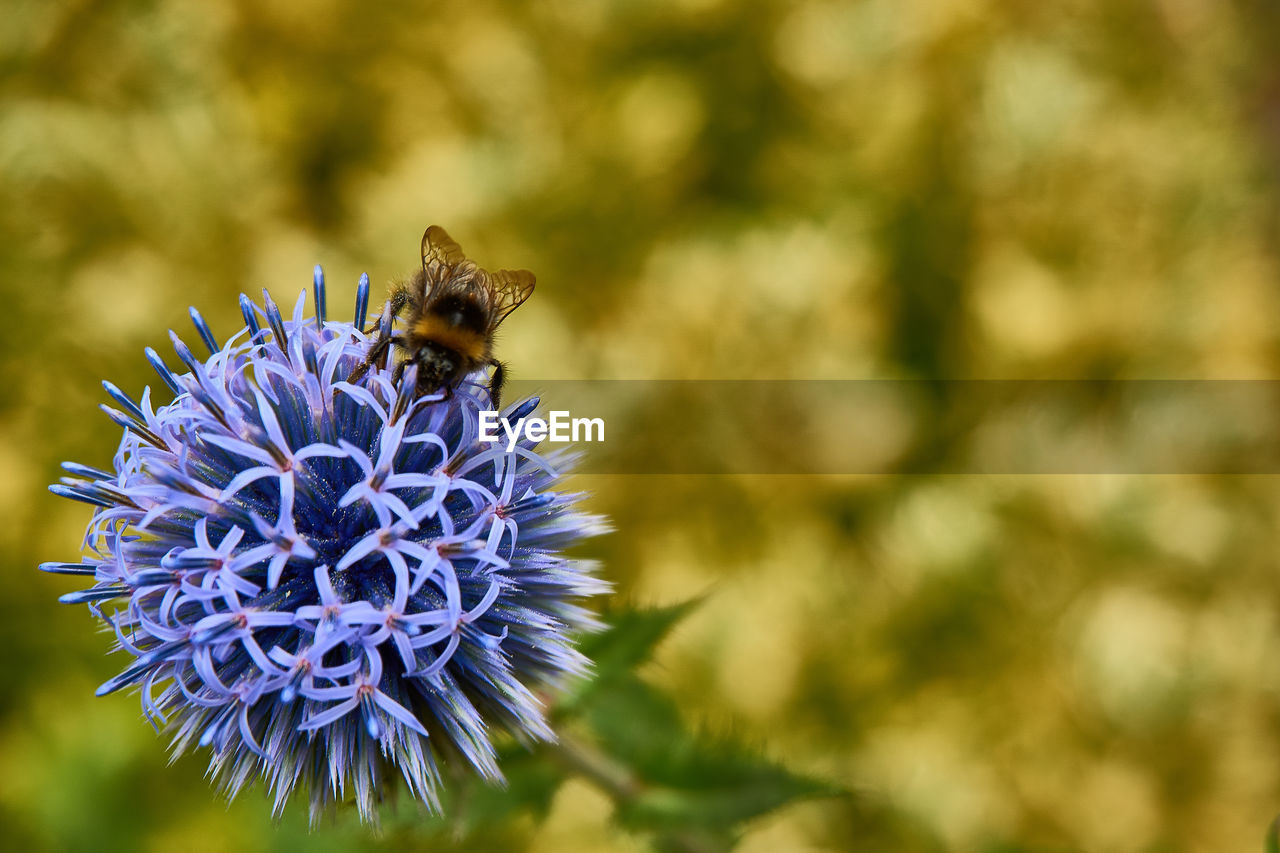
436 364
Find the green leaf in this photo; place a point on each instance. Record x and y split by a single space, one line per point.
715 783
685 780
628 642
632 636
634 720
691 790
1273 837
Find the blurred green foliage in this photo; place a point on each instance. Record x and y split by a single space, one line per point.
688 791
708 189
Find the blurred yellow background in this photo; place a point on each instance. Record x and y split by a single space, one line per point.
708 189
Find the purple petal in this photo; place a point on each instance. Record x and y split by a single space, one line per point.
398 711
332 715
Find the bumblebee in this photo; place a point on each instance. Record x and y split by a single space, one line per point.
452 308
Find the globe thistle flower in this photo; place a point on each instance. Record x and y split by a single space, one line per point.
329 583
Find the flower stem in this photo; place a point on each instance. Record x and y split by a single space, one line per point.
625 787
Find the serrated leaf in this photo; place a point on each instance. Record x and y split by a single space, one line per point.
632 719
712 785
685 780
687 790
632 636
628 642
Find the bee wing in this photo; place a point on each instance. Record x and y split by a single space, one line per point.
438 246
508 289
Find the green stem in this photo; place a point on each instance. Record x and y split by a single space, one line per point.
605 772
624 786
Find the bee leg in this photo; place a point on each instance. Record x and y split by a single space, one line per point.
376 352
496 382
358 374
399 299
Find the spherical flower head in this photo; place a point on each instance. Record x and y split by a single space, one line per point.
329 583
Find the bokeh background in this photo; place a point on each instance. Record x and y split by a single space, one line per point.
836 189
